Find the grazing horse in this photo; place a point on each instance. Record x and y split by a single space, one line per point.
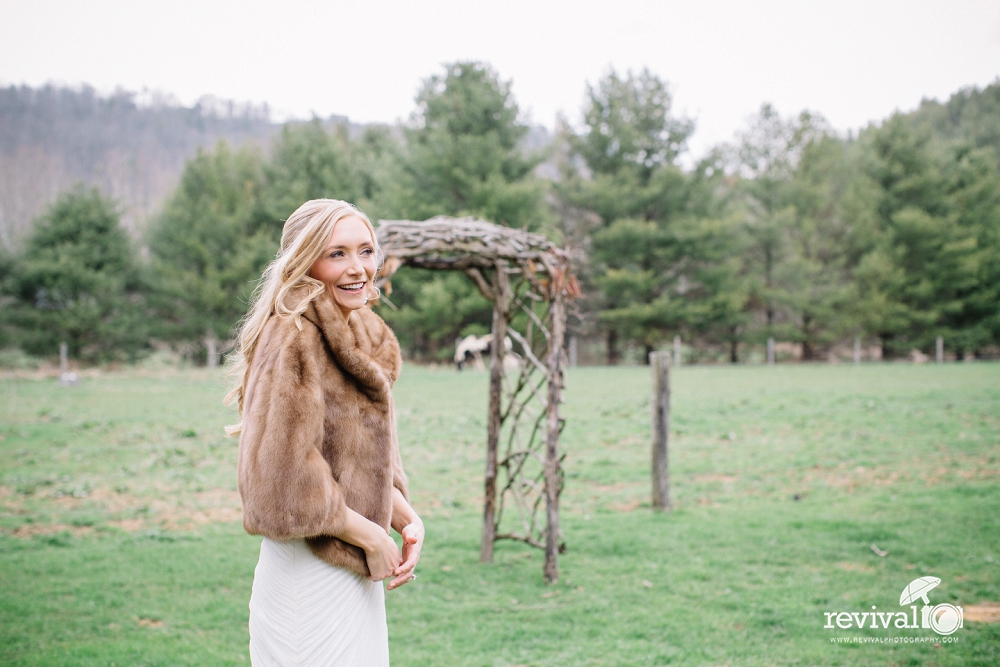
472 348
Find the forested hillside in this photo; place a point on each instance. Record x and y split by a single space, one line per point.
131 149
970 117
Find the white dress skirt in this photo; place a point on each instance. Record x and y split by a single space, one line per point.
305 612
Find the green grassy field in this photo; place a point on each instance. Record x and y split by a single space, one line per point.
121 542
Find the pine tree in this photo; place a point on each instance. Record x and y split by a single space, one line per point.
76 282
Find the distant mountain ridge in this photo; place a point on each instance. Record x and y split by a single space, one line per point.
131 149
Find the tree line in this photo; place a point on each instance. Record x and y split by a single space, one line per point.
792 232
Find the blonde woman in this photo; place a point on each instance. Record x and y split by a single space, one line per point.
320 474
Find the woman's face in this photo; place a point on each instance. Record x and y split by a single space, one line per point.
347 266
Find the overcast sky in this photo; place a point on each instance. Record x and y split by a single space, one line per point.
851 61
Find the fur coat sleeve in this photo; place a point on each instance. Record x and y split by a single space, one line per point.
287 486
319 433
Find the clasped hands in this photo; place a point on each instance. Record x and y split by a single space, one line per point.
381 553
385 559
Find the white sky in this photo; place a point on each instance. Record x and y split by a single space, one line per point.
852 61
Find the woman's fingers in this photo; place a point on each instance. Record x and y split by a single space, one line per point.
412 544
410 563
405 577
411 555
413 538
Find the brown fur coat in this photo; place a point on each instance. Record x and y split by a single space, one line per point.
318 429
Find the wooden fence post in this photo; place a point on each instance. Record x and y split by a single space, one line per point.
770 351
677 350
212 350
66 379
659 362
857 349
939 350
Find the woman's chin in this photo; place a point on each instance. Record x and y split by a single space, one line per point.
350 301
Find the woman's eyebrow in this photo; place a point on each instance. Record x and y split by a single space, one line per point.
342 247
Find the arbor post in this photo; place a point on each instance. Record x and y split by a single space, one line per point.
659 362
939 350
770 351
857 349
501 289
557 329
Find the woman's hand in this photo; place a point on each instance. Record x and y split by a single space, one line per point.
382 555
411 529
413 542
381 552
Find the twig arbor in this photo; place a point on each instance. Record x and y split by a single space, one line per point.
528 280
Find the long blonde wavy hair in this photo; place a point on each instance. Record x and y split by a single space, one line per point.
303 239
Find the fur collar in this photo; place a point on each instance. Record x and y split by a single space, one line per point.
362 345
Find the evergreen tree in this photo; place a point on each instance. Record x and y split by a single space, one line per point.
970 285
76 282
463 157
464 151
308 162
910 223
812 283
629 145
658 253
210 244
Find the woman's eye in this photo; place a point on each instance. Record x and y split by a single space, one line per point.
337 253
366 251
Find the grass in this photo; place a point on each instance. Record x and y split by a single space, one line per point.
121 541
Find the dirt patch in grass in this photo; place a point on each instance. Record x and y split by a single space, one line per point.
180 511
926 471
714 477
626 506
128 525
855 567
32 529
984 612
170 509
187 519
860 476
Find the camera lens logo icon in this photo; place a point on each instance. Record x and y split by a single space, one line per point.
944 618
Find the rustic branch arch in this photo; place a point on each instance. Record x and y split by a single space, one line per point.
529 282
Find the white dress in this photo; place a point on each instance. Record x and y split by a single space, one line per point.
305 612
